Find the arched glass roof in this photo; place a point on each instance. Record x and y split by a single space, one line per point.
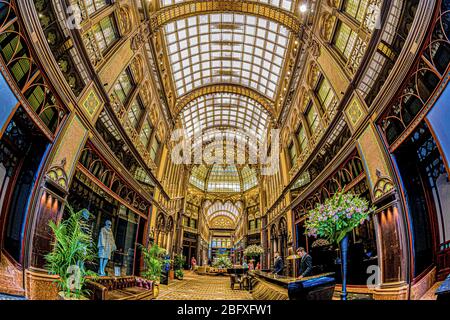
224 178
282 4
226 48
223 110
227 209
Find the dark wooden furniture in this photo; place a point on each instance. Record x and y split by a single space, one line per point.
266 286
443 292
239 276
120 288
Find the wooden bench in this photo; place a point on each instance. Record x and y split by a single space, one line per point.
121 288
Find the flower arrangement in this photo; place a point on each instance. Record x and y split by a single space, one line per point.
339 215
253 251
222 262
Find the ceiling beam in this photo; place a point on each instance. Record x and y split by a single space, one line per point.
224 88
192 8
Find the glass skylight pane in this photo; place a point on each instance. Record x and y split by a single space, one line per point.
229 44
287 5
225 111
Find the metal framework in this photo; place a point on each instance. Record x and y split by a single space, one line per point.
191 8
225 88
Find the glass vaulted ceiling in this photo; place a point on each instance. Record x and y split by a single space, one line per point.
224 178
283 4
226 48
223 110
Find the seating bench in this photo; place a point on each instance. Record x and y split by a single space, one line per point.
120 288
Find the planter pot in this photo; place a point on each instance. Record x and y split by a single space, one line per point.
63 296
171 274
155 290
343 245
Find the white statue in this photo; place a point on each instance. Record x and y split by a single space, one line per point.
106 246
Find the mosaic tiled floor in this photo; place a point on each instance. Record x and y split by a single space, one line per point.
195 287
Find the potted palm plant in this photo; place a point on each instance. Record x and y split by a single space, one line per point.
72 249
154 261
178 264
334 220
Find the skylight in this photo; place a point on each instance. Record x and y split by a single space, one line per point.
223 209
226 48
282 4
226 111
224 179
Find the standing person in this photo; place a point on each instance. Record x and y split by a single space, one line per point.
278 265
251 266
193 263
306 264
258 266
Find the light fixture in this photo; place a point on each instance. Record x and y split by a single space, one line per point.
303 8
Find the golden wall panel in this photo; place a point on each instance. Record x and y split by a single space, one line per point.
70 145
115 65
373 156
333 73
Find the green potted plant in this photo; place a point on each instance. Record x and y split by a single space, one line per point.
72 249
154 261
334 220
179 274
178 265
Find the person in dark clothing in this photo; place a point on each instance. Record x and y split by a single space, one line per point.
278 264
306 264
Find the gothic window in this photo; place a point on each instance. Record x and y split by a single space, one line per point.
301 137
106 33
124 86
325 94
146 132
135 113
313 118
344 40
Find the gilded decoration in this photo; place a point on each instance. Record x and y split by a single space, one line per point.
92 103
125 17
58 176
383 186
186 9
355 112
327 22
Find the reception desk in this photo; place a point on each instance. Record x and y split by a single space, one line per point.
266 286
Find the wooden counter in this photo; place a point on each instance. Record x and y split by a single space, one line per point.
266 286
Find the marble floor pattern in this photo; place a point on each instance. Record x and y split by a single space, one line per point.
195 287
